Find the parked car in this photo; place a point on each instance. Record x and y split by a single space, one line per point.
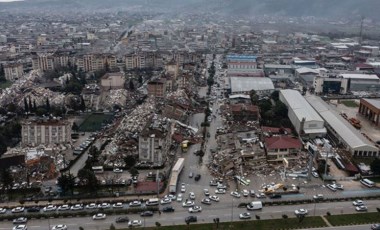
361 208
122 219
252 193
206 201
261 195
245 215
59 227
99 216
220 191
358 203
214 198
135 203
318 197
168 209
104 205
165 201
206 192
91 206
275 196
3 210
76 207
146 213
197 177
179 197
191 174
183 188
118 205
50 208
331 187
190 219
235 194
195 209
134 223
375 226
18 210
188 203
117 170
192 195
20 227
301 211
33 209
20 220
245 193
64 207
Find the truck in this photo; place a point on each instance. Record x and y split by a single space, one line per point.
255 205
176 170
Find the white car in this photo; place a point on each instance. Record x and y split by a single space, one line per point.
220 191
49 208
165 200
315 174
3 210
18 210
245 215
214 198
99 216
206 201
59 227
117 170
133 223
221 186
206 192
135 203
188 203
91 206
361 208
64 207
192 195
195 209
235 194
245 193
260 195
183 188
318 197
331 187
20 220
76 207
301 211
179 197
20 227
117 205
104 205
358 203
171 197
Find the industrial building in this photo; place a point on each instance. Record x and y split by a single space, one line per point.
261 85
243 65
370 109
341 131
304 118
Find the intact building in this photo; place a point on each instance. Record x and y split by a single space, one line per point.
13 71
45 132
157 88
304 118
262 85
152 146
243 65
370 109
341 131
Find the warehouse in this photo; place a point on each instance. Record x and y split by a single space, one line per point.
262 85
342 131
305 120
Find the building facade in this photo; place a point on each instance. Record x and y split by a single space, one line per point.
45 132
157 88
13 71
152 144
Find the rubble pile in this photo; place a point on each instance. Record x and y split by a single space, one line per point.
16 92
117 97
40 95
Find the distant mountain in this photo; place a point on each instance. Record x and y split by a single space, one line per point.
292 8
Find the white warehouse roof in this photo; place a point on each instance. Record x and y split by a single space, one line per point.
299 105
245 84
352 137
360 76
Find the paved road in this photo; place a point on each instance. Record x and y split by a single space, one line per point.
355 227
225 211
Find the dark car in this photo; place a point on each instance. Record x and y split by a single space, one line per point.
146 213
197 177
275 196
168 209
122 219
33 209
190 219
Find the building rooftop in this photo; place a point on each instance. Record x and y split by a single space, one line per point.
373 102
359 76
244 84
282 142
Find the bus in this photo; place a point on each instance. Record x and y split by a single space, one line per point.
242 180
98 169
367 183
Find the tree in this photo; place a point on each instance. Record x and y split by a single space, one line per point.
6 178
67 183
133 171
280 109
47 105
82 104
141 79
87 176
2 73
275 95
34 106
254 97
75 127
26 107
30 102
112 227
131 85
375 166
130 161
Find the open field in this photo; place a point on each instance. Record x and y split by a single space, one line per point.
94 122
4 85
349 104
357 218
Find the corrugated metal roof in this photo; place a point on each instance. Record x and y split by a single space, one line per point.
300 106
349 134
245 84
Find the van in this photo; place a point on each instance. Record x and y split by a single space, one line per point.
152 202
255 205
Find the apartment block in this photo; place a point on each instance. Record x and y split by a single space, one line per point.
13 71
